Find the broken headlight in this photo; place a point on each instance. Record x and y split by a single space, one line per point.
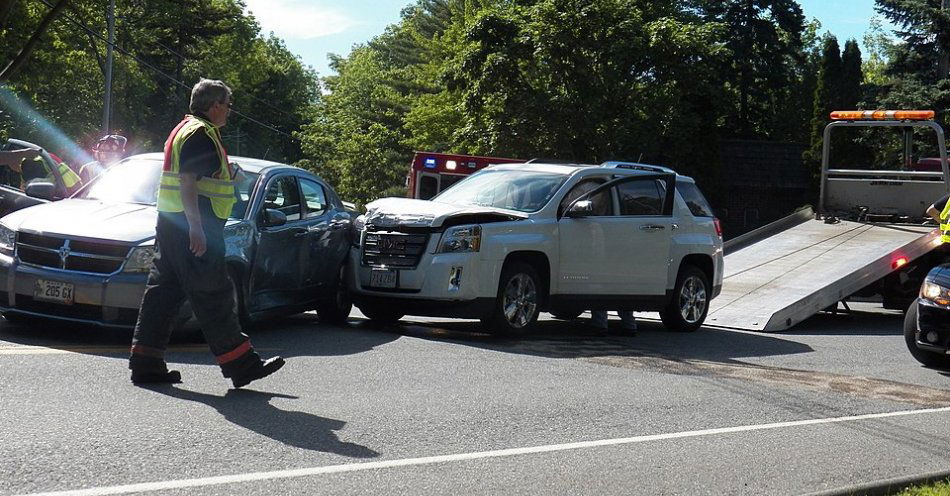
140 259
7 240
461 239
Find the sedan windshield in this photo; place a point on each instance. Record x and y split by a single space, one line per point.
135 180
524 191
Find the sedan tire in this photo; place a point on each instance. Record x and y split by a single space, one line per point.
927 358
337 309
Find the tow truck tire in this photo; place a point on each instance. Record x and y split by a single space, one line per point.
687 310
518 303
380 314
337 309
927 358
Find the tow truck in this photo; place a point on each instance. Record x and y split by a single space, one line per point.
868 236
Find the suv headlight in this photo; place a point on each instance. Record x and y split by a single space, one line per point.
140 259
7 240
936 293
461 239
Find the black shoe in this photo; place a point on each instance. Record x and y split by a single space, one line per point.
259 371
167 377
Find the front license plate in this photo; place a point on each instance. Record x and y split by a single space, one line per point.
55 291
383 279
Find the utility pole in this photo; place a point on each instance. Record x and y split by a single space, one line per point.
107 104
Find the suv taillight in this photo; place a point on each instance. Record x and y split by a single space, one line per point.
718 227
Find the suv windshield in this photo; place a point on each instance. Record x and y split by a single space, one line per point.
135 180
524 191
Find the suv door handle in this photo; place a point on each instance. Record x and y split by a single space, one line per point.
652 227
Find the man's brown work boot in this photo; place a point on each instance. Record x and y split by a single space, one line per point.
260 370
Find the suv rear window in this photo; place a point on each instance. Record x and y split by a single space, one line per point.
694 199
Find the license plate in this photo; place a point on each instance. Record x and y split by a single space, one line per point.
383 279
55 291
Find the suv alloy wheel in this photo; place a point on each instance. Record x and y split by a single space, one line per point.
687 310
518 303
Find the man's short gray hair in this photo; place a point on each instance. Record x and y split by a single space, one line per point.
206 93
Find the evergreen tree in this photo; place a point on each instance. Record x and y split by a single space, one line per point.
827 97
765 38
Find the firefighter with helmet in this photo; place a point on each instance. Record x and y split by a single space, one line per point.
107 151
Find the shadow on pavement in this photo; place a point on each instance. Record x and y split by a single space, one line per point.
851 323
252 410
298 335
573 339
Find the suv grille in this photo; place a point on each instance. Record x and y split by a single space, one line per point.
61 253
397 250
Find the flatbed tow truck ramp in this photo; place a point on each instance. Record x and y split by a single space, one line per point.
869 225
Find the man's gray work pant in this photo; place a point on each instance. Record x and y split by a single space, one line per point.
177 275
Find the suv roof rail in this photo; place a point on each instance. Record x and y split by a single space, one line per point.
637 166
554 161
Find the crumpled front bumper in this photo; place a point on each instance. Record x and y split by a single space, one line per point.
99 299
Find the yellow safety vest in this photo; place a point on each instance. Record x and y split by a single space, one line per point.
945 224
70 178
219 188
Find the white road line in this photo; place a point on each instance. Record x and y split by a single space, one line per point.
430 460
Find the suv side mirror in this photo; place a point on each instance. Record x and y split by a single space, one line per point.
273 218
43 190
582 208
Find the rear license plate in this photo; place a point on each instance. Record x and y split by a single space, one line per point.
55 291
383 279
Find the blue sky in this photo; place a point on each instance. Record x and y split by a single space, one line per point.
315 28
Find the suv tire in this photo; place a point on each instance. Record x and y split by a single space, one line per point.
927 358
518 303
687 310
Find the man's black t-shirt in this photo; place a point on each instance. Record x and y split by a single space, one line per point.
199 156
942 203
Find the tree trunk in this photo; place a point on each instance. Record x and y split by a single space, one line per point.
24 54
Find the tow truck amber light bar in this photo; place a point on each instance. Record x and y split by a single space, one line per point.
883 115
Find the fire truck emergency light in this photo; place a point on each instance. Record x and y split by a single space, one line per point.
882 115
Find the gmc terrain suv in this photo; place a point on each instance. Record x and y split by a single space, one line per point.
513 240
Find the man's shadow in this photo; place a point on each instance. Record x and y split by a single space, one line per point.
253 411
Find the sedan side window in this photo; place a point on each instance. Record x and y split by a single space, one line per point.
314 197
282 194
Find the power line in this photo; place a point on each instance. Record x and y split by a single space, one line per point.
125 52
246 93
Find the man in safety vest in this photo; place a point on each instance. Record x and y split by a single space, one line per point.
195 198
940 212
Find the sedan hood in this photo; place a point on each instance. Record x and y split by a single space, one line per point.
124 222
940 275
405 212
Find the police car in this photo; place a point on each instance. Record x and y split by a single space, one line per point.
516 239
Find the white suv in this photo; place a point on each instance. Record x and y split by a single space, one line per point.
514 240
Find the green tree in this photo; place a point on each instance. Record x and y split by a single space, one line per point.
765 40
827 99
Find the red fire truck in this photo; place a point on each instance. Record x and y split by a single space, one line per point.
432 173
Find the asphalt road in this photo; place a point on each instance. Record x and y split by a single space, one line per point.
432 407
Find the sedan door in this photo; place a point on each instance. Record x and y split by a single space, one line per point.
282 255
328 227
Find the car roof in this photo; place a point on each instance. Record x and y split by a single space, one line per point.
254 165
631 168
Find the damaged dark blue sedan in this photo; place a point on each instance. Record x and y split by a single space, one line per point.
927 324
86 259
